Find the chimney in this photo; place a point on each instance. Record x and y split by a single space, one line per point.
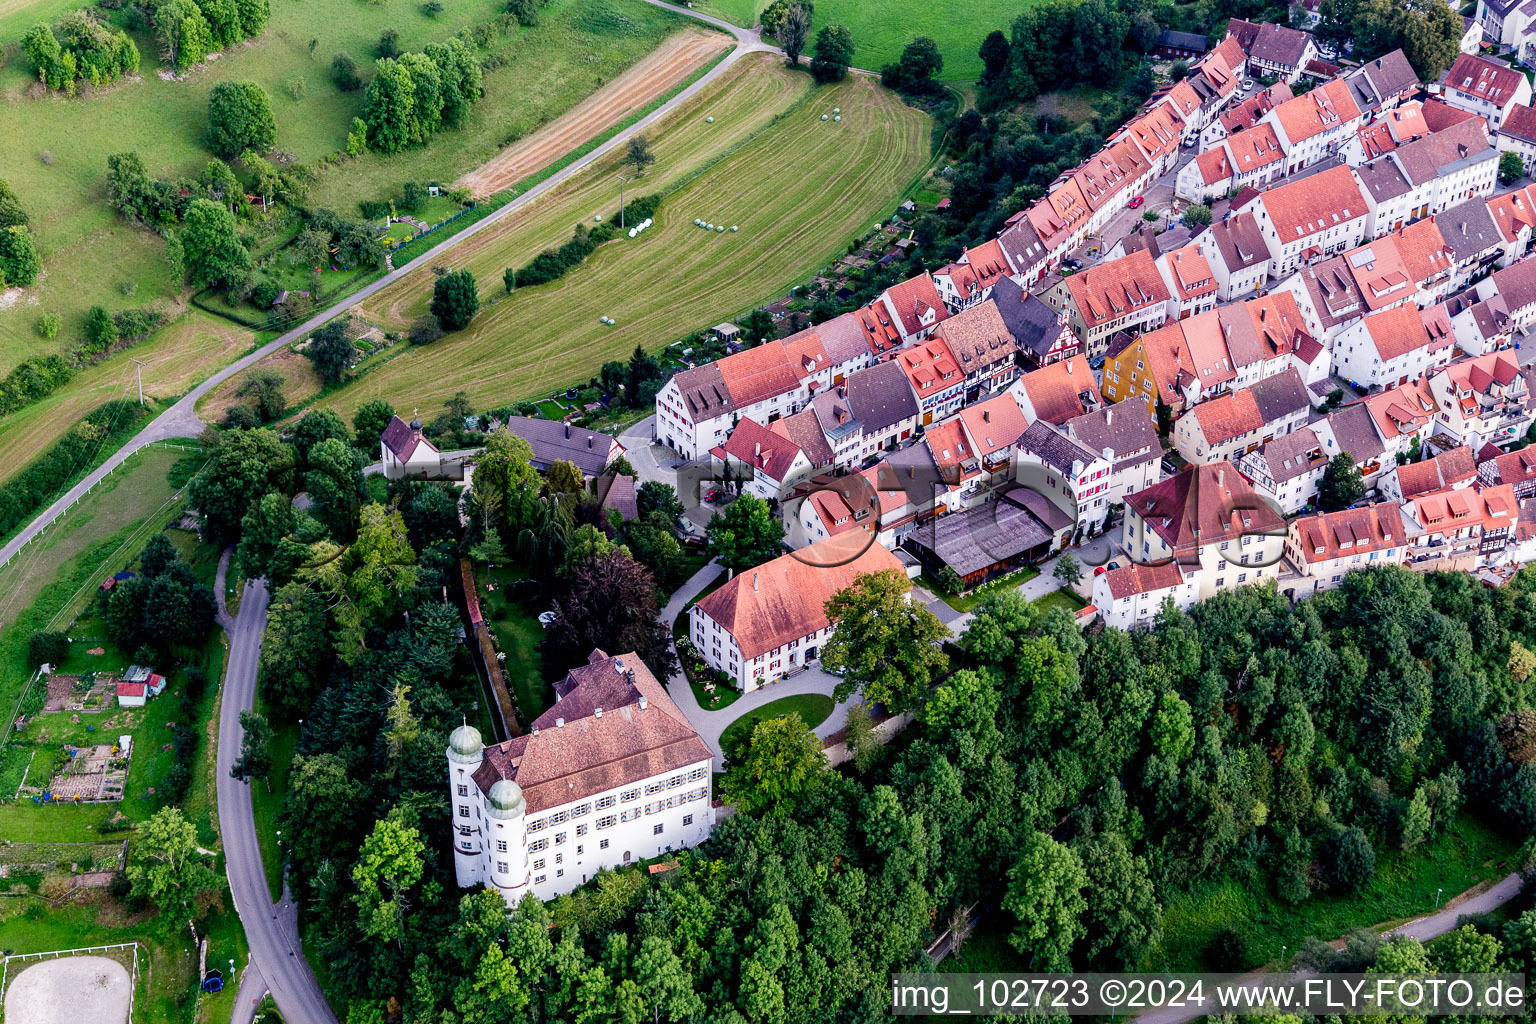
1069 367
567 431
644 703
589 441
559 723
754 582
757 450
535 730
986 415
597 712
1109 415
1221 478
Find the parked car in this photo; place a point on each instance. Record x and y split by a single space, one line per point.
1072 262
547 619
712 495
1136 202
1248 85
1101 570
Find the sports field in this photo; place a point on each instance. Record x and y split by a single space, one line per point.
881 28
55 150
799 188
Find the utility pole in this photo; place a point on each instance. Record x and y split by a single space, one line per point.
140 372
622 180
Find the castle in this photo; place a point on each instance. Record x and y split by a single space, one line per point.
613 773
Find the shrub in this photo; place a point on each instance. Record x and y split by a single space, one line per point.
373 209
34 378
1354 860
47 647
49 325
344 73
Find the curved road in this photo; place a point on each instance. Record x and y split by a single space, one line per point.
181 419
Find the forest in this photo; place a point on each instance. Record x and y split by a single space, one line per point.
1070 782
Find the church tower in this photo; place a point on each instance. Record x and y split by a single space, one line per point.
469 841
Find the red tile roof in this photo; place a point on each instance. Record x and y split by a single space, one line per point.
1116 288
1483 79
1203 505
1406 328
1129 580
930 366
1228 416
1312 113
994 424
914 299
1331 535
1054 391
760 448
755 374
1309 205
1444 470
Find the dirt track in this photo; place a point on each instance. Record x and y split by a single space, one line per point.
664 69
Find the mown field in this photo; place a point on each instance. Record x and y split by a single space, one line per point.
798 187
881 28
55 152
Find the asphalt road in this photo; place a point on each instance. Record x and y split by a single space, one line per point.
270 931
181 419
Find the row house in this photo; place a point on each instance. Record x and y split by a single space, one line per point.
993 428
1209 521
1388 131
1486 88
1311 218
1126 437
1473 240
1517 469
697 408
871 411
1262 336
1191 284
936 379
1458 529
1178 365
1451 470
766 462
1383 83
1401 416
1351 430
1287 469
1237 254
1253 157
1127 294
1232 425
1482 400
1244 114
1039 332
982 347
971 279
1079 481
1313 126
1517 286
1518 135
1480 325
1514 214
1157 134
1430 174
769 621
1278 51
914 306
1321 548
959 464
1133 595
1394 345
1025 252
1058 392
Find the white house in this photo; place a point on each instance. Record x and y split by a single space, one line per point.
1287 469
612 774
1307 219
1482 400
1486 88
405 452
1322 548
1132 595
1394 345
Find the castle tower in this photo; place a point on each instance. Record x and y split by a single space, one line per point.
506 831
465 751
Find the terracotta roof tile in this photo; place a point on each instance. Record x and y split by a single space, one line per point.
1117 287
1310 205
1331 535
1055 391
977 337
994 424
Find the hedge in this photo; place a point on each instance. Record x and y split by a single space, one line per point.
45 477
552 264
33 379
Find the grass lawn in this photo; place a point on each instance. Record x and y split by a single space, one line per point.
882 28
970 599
516 625
1404 886
799 188
267 801
1066 600
813 707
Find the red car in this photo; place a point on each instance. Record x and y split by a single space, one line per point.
1136 203
1101 570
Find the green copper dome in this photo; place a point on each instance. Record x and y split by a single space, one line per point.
465 741
505 800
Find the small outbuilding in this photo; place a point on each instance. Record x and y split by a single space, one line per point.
726 332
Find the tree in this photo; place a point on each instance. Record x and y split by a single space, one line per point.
564 478
951 582
1429 37
47 647
255 759
1354 860
19 261
656 496
369 422
100 329
1197 215
1123 919
757 327
834 54
1466 951
914 72
245 465
994 54
388 866
11 212
1068 571
42 50
240 118
611 604
859 734
332 351
1341 484
215 255
335 484
265 385
746 534
884 643
1511 167
772 770
455 301
167 868
389 107
793 31
639 154
1045 896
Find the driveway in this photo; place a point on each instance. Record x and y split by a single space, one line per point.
271 931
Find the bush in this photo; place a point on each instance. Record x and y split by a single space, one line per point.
33 379
344 73
1354 860
49 325
1227 950
47 647
373 209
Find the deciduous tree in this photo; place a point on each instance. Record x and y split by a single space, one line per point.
775 767
834 54
255 760
240 118
1045 896
746 534
884 643
455 300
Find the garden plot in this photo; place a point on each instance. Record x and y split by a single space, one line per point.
90 693
93 774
